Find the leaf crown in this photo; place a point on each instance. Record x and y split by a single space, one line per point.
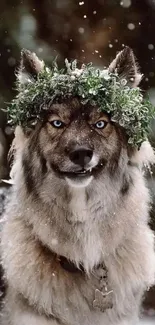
114 90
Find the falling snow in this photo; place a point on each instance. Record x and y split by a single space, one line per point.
81 30
110 45
151 74
11 61
125 3
150 46
40 49
131 26
81 3
85 16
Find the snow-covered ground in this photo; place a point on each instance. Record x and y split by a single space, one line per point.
147 321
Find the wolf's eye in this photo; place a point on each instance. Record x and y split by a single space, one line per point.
100 124
57 124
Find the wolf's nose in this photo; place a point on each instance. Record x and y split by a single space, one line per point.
81 156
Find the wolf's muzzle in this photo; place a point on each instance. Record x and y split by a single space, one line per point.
81 156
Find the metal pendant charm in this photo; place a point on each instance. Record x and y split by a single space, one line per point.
103 300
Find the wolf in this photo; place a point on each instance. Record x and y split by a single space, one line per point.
76 246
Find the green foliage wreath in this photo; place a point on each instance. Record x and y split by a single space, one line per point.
97 87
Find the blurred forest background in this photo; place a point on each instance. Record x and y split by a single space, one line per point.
89 30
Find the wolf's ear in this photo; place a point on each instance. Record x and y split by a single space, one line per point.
126 67
30 66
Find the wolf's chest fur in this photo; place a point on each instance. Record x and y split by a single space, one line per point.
83 228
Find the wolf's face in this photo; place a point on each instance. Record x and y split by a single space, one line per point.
76 143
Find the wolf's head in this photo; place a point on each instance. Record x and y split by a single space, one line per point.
75 143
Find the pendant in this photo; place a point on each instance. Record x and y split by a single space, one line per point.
103 300
103 297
